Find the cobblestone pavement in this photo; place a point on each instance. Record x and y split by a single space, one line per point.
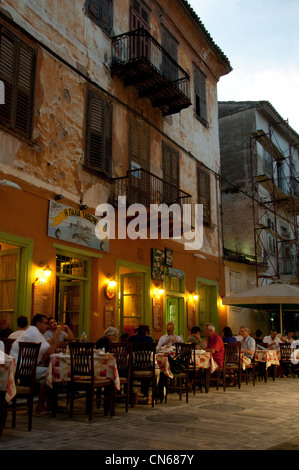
260 417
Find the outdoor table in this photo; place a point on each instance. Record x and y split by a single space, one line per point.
59 371
7 385
267 358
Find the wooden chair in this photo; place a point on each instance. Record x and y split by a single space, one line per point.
285 358
25 379
122 352
181 381
250 367
7 344
143 369
83 379
195 374
231 369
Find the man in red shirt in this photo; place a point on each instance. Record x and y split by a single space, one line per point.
215 344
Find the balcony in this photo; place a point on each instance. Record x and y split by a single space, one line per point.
142 187
143 64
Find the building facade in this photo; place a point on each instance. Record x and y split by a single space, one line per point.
259 159
109 104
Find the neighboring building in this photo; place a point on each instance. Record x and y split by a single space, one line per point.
260 200
107 98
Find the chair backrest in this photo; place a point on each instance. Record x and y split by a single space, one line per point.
7 344
232 354
26 363
82 362
285 350
185 350
143 356
122 352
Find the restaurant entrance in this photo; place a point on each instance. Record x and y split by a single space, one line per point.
175 314
72 292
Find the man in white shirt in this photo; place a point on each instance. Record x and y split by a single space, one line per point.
35 334
22 323
170 338
248 344
272 340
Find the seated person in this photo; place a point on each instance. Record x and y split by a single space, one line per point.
272 340
215 344
35 333
110 335
141 335
170 338
64 333
196 338
258 337
248 344
22 323
228 335
289 337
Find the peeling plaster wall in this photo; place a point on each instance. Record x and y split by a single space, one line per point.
54 158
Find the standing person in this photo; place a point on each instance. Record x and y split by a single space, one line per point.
196 338
248 344
35 333
215 344
272 340
64 333
170 338
22 323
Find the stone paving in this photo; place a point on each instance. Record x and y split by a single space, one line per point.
260 417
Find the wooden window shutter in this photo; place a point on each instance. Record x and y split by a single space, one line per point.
17 67
98 154
170 158
139 144
101 12
204 194
200 95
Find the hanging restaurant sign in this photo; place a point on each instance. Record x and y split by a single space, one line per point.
75 226
176 273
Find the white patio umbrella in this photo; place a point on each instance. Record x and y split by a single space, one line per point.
274 295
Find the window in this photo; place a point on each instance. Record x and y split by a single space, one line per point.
169 67
98 155
139 144
204 194
170 158
101 12
200 93
17 70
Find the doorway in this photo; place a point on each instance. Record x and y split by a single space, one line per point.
207 303
175 314
72 298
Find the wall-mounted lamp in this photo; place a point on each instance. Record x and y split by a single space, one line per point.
158 293
58 197
110 289
193 297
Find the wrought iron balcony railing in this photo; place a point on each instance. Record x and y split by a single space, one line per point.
142 187
143 63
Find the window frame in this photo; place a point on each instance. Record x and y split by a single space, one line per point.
17 83
94 10
200 95
104 166
204 197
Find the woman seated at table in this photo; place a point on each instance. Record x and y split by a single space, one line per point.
228 335
110 335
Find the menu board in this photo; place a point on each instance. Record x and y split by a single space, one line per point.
157 314
191 314
108 315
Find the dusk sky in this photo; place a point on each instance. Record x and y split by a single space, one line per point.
261 40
